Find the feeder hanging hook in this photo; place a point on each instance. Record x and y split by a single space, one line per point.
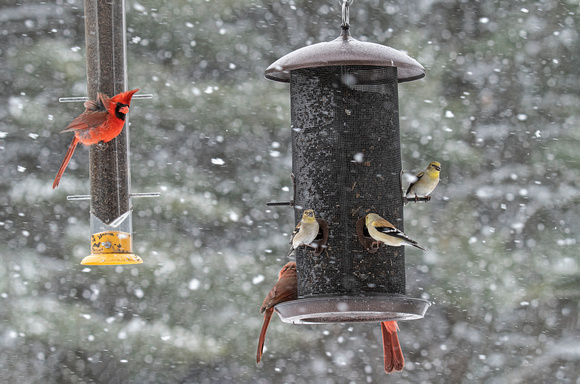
345 13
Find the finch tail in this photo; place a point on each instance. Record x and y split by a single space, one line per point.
267 318
67 157
418 246
394 360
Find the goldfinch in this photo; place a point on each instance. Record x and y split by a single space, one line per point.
426 181
384 232
305 232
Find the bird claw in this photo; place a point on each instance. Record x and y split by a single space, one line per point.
312 245
102 145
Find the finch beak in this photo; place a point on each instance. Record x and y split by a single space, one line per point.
124 110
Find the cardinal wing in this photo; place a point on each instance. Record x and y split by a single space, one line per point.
286 289
88 119
94 115
98 105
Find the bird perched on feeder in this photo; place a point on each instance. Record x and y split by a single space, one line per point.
426 181
285 289
394 360
384 232
101 122
305 232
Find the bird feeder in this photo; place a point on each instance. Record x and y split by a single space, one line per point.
110 212
111 221
346 162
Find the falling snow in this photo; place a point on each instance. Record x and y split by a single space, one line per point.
498 109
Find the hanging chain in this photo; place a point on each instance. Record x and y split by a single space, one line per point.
345 13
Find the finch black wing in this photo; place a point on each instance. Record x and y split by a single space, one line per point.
295 232
394 232
419 176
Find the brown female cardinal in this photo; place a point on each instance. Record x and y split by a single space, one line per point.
394 361
102 121
285 289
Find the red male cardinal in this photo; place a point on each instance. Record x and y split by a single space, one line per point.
285 289
101 121
394 361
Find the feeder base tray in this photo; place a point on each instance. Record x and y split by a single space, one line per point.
112 259
351 309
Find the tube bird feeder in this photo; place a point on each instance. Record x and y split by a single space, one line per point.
346 162
111 220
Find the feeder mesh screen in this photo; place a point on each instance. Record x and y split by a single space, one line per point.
346 159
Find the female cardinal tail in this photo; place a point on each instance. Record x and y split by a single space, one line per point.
267 317
67 157
394 360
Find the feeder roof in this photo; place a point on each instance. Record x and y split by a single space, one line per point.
345 50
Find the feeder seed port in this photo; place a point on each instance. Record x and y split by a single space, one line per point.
322 237
365 239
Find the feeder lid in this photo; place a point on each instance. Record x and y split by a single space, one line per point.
345 50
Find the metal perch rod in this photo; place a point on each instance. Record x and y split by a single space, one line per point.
88 197
84 98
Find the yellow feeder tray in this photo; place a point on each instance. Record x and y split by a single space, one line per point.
111 248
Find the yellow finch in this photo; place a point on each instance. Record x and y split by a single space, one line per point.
384 232
426 181
305 232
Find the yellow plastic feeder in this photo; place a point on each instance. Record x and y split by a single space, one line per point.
111 248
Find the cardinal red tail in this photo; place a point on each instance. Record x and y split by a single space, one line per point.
67 157
267 317
394 360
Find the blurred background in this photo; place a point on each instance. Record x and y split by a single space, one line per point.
498 108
